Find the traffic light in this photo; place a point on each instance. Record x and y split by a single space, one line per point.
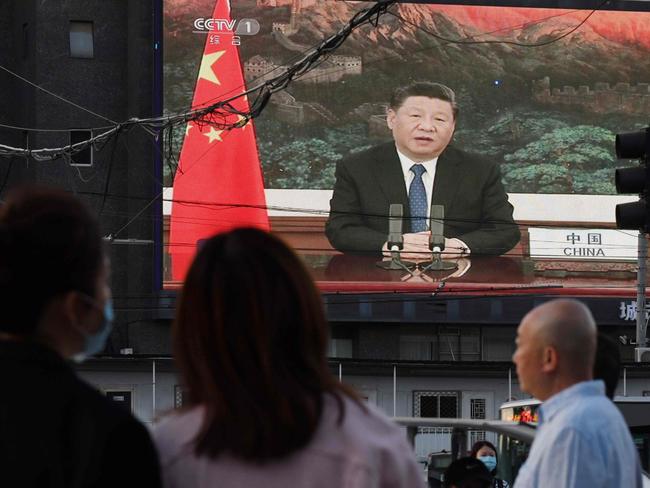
634 215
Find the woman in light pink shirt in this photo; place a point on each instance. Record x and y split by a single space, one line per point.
263 409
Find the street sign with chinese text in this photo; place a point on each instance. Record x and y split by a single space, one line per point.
627 310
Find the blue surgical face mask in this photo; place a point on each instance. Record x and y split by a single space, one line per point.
93 343
489 461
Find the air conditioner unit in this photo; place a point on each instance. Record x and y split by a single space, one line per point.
642 354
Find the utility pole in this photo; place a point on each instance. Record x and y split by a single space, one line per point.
641 352
636 215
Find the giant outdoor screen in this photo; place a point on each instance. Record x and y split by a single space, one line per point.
541 91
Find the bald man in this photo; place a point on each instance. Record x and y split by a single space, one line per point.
582 439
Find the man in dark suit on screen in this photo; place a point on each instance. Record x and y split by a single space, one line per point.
417 170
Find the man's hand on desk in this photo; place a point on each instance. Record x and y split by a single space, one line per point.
416 246
455 248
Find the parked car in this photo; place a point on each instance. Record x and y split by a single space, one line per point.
436 464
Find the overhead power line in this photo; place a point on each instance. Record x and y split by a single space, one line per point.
218 114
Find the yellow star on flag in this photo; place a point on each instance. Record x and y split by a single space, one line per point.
213 135
206 71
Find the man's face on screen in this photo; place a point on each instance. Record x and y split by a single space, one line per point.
422 127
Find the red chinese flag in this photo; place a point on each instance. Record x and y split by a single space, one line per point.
218 185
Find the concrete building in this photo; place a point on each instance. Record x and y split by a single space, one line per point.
94 64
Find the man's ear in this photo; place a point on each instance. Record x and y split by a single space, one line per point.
549 359
390 118
73 309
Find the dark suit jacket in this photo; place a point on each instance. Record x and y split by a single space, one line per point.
58 432
477 210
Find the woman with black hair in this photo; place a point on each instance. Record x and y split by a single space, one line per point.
56 431
263 408
486 452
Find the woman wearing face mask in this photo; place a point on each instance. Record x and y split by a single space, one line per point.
55 430
487 453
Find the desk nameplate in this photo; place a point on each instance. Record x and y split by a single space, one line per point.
583 244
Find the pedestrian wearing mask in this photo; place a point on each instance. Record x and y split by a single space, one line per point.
56 430
487 453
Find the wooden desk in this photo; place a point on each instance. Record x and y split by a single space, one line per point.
512 274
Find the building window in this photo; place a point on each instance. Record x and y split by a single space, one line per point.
339 348
477 410
418 347
444 344
470 346
81 39
123 398
449 340
179 396
435 404
85 157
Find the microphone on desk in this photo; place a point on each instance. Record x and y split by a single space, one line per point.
395 239
395 227
437 240
437 228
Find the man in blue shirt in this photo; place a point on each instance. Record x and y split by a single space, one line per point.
582 439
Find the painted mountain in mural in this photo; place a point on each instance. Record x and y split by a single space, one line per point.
621 27
426 36
482 22
485 23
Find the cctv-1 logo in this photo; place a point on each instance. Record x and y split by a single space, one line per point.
245 27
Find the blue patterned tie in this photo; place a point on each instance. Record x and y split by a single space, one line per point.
418 200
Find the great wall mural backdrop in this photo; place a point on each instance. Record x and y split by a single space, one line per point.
548 113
